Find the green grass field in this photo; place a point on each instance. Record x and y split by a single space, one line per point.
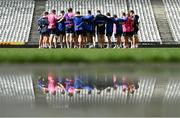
143 55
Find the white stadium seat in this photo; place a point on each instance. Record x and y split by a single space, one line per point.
173 16
16 19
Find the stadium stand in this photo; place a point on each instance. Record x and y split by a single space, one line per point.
172 13
145 91
19 18
16 19
16 89
162 21
112 6
172 92
148 27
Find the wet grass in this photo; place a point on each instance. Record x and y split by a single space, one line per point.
143 55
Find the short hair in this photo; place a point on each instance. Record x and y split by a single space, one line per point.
89 11
62 11
124 14
132 11
53 11
70 10
115 16
108 14
77 12
98 11
46 13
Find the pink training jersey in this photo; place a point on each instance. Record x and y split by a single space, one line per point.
52 19
67 17
51 84
128 26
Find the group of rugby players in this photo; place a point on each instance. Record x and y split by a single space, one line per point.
74 85
72 30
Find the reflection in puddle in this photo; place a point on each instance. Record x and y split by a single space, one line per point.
16 89
77 89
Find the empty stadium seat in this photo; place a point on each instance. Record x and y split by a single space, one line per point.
172 93
16 19
173 16
16 89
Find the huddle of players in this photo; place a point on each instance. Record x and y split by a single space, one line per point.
76 31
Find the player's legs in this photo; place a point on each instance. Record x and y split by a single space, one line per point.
101 40
136 40
118 43
90 39
126 40
109 42
40 41
67 40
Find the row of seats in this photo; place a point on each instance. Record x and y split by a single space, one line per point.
112 6
144 94
16 19
148 27
16 89
173 16
172 93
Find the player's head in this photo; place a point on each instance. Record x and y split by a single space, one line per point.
70 10
132 12
108 14
45 13
98 12
123 14
62 12
115 16
89 12
53 11
77 12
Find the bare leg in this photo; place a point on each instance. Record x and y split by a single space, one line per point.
126 42
109 42
67 40
40 41
55 41
51 40
71 39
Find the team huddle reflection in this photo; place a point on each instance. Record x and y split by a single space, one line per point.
70 85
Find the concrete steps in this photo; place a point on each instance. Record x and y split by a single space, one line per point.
162 22
39 9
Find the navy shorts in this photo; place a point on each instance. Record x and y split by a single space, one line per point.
79 32
70 30
109 33
58 33
52 31
129 34
118 34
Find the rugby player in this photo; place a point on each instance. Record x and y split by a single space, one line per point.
127 29
78 28
52 19
89 29
135 19
61 30
100 21
109 29
69 27
119 30
43 30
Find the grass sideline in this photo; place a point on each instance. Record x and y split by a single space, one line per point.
142 55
